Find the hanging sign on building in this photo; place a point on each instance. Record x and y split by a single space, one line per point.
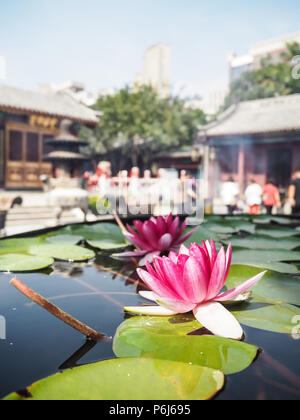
41 121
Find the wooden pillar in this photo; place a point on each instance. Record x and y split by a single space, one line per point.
241 168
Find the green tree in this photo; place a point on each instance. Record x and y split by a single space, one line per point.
268 81
137 123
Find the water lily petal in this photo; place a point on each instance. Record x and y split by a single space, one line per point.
233 293
173 257
169 220
130 254
165 242
214 254
161 226
195 281
174 273
201 256
174 227
181 230
184 250
149 232
217 278
139 243
218 320
157 285
149 310
228 261
175 305
148 258
145 294
186 236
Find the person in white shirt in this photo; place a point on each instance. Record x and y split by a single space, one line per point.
229 193
253 195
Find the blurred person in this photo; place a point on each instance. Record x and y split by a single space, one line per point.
294 192
253 196
271 196
134 186
229 193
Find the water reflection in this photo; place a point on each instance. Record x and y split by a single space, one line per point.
96 294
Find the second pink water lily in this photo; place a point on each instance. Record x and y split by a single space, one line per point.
155 236
192 281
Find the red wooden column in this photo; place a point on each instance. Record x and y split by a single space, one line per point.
241 168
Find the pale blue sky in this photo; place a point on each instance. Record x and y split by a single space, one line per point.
101 43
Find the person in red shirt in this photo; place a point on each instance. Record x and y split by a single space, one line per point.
271 196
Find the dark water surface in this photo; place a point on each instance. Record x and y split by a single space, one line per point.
38 345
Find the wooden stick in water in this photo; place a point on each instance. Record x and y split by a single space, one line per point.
121 225
55 311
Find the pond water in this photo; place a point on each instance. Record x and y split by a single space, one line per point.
39 345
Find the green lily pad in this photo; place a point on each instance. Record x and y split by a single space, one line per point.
102 235
220 228
62 252
64 239
202 234
165 338
129 379
264 242
275 318
18 245
242 225
277 232
266 219
273 286
20 262
242 256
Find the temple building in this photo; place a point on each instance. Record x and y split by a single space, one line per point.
30 130
256 140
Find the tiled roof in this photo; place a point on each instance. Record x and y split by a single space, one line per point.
275 115
53 104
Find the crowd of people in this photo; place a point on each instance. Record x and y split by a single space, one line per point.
165 190
256 197
180 193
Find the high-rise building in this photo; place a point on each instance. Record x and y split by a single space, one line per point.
156 69
2 68
271 49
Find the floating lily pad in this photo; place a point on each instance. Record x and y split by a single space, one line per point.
62 252
275 318
242 225
202 234
129 379
266 219
102 235
20 262
277 232
165 338
64 239
220 228
18 245
242 256
273 286
264 242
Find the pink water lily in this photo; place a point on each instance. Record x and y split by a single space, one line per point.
192 281
155 236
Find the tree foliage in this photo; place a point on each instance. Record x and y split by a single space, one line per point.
270 80
135 120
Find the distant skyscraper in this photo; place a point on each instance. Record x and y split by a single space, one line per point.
156 69
2 68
